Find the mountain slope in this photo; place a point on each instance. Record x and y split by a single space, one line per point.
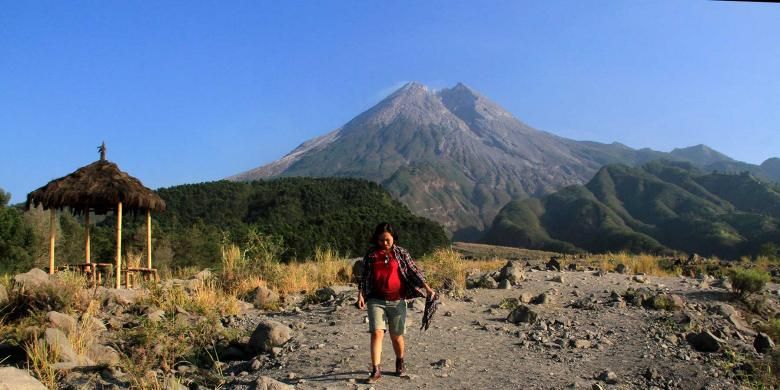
659 207
453 156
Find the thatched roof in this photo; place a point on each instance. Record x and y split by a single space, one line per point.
99 187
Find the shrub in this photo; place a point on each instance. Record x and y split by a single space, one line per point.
747 281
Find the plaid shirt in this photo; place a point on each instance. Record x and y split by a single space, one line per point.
411 276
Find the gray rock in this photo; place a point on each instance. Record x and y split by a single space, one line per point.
557 279
639 279
269 334
62 322
526 297
763 343
95 324
357 269
12 378
505 285
156 315
483 280
620 268
268 383
522 313
264 298
542 299
580 344
512 272
704 341
103 354
57 340
32 278
553 264
124 296
609 377
203 275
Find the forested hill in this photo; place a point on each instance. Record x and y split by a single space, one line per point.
305 213
659 207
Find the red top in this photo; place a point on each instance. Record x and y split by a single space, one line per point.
385 276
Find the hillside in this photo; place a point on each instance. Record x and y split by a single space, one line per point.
660 207
456 157
287 219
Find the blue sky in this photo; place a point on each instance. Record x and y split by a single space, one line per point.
188 92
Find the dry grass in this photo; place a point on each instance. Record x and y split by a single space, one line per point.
84 336
446 268
635 263
42 358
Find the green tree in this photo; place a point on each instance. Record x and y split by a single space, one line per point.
17 239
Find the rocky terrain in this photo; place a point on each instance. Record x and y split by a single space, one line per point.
519 327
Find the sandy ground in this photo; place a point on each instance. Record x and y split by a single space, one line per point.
471 345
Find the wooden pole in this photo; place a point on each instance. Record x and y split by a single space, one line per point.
118 283
149 239
86 238
52 235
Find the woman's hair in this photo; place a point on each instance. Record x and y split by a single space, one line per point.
383 227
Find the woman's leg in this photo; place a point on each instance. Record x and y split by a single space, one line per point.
376 346
398 345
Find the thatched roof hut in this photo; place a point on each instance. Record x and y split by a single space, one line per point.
98 187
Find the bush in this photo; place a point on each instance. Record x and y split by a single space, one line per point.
747 281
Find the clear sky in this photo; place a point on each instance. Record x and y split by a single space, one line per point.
185 92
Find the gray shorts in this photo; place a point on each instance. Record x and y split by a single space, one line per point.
387 315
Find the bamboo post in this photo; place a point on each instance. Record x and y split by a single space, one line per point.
118 283
149 238
52 235
86 238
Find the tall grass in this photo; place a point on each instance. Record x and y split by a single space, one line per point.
446 269
634 263
41 358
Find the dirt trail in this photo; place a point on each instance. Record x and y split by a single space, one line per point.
471 345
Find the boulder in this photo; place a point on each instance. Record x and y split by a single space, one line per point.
32 279
512 272
620 268
62 322
704 341
156 315
542 299
203 275
264 298
12 378
103 354
609 377
526 297
123 296
268 383
505 284
553 264
522 314
639 279
481 280
269 334
57 340
763 343
357 269
95 324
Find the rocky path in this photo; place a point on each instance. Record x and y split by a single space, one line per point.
586 335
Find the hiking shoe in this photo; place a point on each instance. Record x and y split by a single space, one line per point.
376 374
400 367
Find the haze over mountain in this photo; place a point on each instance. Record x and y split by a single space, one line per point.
661 206
456 157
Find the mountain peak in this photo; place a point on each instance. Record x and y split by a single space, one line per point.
700 154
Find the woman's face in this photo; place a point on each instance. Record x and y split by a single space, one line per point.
385 240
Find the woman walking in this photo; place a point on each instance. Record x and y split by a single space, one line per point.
390 276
